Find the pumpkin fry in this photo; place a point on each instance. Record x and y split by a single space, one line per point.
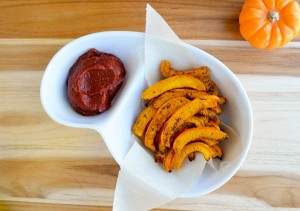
209 141
217 110
168 160
187 93
182 117
222 100
164 97
210 86
142 121
211 115
195 134
209 123
193 121
192 94
179 117
161 116
213 124
188 149
167 71
217 151
174 82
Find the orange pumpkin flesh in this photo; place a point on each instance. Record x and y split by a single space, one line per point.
269 24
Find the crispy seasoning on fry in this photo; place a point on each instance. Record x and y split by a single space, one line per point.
182 117
161 116
183 92
142 121
197 134
179 117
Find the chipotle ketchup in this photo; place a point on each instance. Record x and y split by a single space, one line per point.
93 81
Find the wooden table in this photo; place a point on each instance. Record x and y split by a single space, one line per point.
46 166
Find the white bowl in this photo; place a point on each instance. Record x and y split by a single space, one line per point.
115 124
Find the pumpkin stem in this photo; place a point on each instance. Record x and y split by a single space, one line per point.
273 16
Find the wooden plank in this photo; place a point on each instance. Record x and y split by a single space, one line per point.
35 54
27 206
73 18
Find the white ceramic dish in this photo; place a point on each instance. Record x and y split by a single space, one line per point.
115 124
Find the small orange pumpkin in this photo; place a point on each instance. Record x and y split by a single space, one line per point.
269 24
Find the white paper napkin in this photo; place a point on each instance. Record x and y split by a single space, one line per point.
142 184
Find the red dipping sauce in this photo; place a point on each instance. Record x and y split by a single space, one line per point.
93 81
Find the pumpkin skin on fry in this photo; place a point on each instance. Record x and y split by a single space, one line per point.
161 116
192 156
269 24
188 149
142 121
174 82
179 117
194 134
167 71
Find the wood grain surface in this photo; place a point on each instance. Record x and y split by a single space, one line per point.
191 19
47 166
